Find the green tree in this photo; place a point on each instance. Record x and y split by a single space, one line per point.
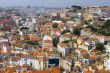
66 41
65 31
76 7
101 31
100 47
77 31
93 28
32 43
107 24
55 41
55 25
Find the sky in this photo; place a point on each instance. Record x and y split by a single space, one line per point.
53 3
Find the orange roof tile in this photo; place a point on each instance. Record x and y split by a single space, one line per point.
10 70
39 54
17 67
18 45
106 36
25 66
32 37
48 41
16 58
94 52
54 70
2 71
88 71
50 70
93 57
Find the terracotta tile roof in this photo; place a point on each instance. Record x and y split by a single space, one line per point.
10 70
33 37
73 72
106 36
88 71
23 72
48 23
87 29
1 52
65 45
43 71
5 21
18 67
54 70
47 41
16 58
2 31
19 41
30 71
30 52
39 53
104 71
61 23
94 52
56 29
25 66
18 45
93 57
2 71
50 70
23 55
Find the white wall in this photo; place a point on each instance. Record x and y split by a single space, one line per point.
107 64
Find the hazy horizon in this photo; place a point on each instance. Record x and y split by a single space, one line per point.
53 3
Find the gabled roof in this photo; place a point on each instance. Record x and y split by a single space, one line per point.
5 21
32 37
39 53
50 70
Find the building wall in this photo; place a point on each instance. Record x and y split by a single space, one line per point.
107 64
